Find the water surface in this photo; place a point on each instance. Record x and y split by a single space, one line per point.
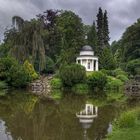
25 117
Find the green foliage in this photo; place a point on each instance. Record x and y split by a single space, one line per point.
113 83
72 74
6 65
97 80
29 69
80 89
115 96
117 52
72 31
127 119
127 127
128 47
106 59
13 73
27 43
115 72
133 67
4 49
3 85
123 78
119 72
106 29
102 28
2 92
50 66
108 72
92 37
18 77
56 83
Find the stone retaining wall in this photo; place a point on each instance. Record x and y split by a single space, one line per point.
41 87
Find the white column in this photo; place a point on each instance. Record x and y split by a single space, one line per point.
92 110
81 61
96 66
93 65
86 64
86 109
76 61
96 110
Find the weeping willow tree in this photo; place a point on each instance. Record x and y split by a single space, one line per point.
28 44
38 52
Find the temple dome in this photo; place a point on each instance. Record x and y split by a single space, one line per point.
86 48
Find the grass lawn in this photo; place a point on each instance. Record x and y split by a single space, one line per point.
126 134
127 126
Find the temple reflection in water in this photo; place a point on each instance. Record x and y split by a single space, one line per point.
86 117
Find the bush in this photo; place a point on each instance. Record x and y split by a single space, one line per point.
133 67
56 83
123 78
80 89
138 113
13 73
97 80
50 66
119 72
3 85
113 83
106 60
29 69
18 77
72 74
127 120
115 72
108 72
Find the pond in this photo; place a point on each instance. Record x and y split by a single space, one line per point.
25 117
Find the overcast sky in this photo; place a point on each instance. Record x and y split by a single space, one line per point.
121 13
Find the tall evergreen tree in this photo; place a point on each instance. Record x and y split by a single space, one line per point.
106 29
100 27
92 36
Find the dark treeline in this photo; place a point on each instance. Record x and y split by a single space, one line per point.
126 51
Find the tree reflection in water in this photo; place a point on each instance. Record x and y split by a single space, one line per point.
29 118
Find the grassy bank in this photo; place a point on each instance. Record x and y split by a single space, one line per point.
127 127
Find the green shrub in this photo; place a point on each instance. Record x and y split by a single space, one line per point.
80 89
113 83
127 120
72 74
13 73
123 78
115 72
2 93
29 69
18 77
133 67
56 83
106 60
50 66
3 85
119 72
97 80
108 72
138 113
